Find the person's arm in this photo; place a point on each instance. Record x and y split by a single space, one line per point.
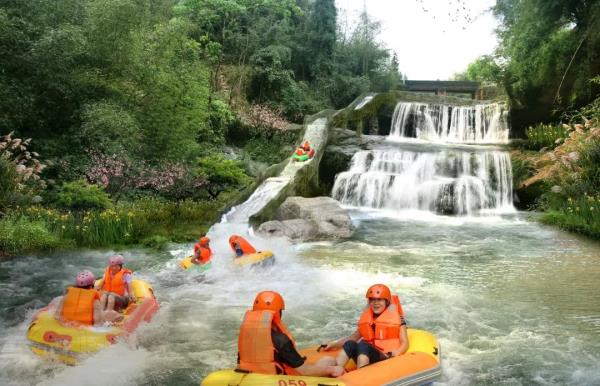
98 285
59 308
130 292
340 342
403 342
98 314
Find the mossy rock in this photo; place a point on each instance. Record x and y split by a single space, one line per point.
527 196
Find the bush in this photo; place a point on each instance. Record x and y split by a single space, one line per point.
18 235
78 195
542 135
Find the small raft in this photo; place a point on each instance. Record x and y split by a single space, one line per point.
257 258
68 343
420 365
187 264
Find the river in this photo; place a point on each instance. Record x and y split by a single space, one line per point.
512 302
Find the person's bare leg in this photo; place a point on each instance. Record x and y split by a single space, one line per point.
362 361
104 300
342 358
110 304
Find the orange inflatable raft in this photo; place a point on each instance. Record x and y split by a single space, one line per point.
420 365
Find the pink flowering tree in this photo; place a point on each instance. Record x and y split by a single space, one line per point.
20 171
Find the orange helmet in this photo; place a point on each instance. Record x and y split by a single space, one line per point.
379 291
204 240
268 300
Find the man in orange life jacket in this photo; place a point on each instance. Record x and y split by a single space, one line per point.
202 251
265 345
381 332
116 285
81 304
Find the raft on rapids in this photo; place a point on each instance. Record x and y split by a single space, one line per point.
68 343
420 365
187 264
256 258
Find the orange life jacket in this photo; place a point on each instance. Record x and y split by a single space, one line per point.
300 151
243 244
203 252
78 305
115 283
255 344
386 334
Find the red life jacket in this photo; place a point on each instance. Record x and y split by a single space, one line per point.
300 152
115 283
78 305
255 344
386 334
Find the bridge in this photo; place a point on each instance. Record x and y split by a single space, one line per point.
445 87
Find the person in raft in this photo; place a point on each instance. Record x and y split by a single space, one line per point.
202 251
381 332
303 150
240 246
265 345
81 304
116 285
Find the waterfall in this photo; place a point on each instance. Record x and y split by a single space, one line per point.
436 178
482 123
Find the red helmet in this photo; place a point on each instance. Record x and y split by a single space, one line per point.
268 300
116 260
204 240
84 279
379 291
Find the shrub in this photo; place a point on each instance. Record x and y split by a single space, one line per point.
18 235
78 195
221 174
542 135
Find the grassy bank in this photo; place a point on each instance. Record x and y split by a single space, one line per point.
148 222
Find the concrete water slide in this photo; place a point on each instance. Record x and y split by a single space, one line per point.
297 178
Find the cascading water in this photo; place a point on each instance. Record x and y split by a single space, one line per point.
482 123
443 180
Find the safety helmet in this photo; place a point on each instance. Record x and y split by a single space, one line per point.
268 300
379 291
84 279
116 260
204 240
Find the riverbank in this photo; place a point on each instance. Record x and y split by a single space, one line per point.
149 222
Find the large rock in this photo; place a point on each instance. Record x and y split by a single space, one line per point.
306 219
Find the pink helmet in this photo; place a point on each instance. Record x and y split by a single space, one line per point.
116 260
84 279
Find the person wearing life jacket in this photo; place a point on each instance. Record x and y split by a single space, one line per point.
116 285
240 246
306 146
202 251
81 304
265 345
381 331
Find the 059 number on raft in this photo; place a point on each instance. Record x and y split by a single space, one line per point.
291 382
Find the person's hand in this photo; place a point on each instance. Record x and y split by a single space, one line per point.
330 345
132 299
395 353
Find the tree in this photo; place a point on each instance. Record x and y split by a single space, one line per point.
221 174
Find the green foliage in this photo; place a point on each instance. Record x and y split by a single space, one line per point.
268 151
482 69
221 173
108 128
551 48
9 186
522 169
79 195
19 235
541 135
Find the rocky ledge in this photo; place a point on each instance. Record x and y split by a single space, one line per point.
309 219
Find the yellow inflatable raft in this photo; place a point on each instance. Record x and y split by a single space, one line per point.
260 257
420 365
67 343
187 264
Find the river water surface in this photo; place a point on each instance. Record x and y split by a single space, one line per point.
512 302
